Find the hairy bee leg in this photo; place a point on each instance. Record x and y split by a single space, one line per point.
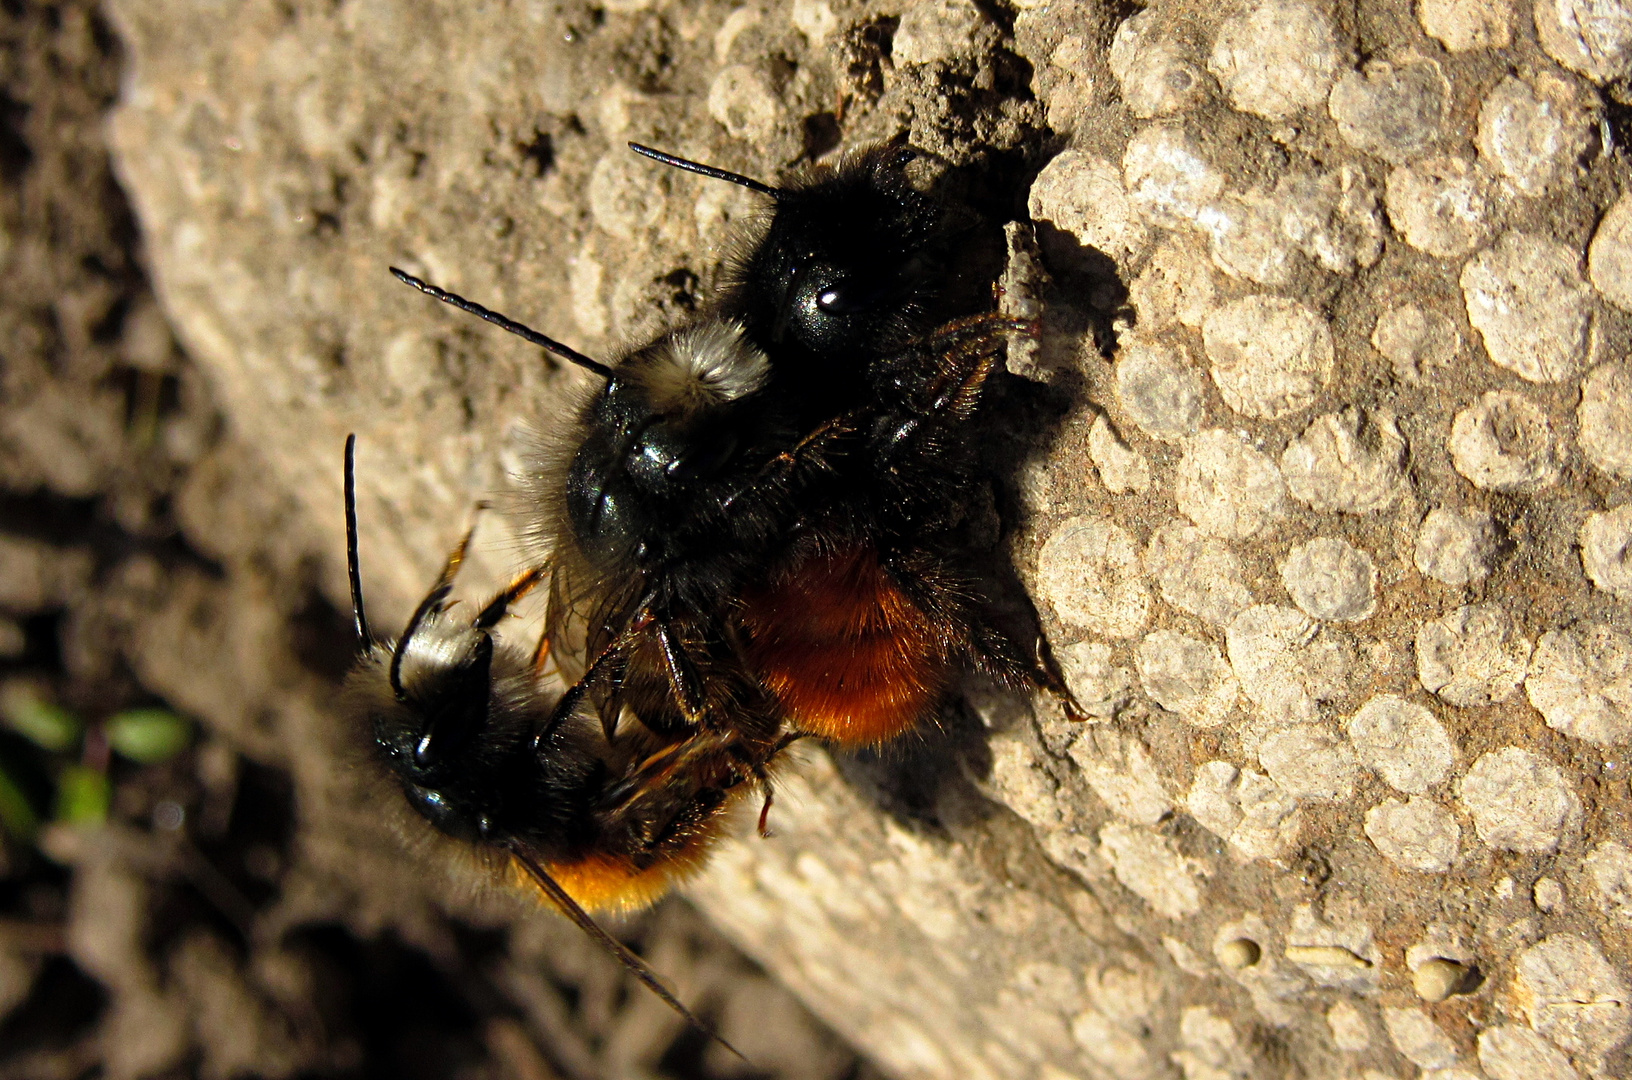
682 685
614 653
763 779
496 607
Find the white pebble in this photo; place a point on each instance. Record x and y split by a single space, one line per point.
1590 37
1157 75
1416 1036
1418 834
1244 808
1247 241
1346 462
1606 550
743 103
1083 196
1309 762
1504 442
1403 742
1188 676
1101 687
1168 178
1464 25
1421 343
1609 257
1331 579
1526 297
1548 895
1456 546
1514 1052
1118 767
1534 135
1332 217
1350 1031
1226 486
1441 205
1150 867
1573 997
1473 656
1438 978
1519 801
1176 286
1581 681
1286 661
1197 573
1122 469
1090 571
1159 389
1610 869
1270 355
1238 953
938 30
1397 113
1605 418
1276 58
621 197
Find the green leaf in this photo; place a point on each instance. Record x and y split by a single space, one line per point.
44 723
83 794
16 813
148 736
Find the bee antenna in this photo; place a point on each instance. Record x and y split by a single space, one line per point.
706 170
526 333
585 922
432 603
359 621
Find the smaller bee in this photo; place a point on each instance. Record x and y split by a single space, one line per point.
595 820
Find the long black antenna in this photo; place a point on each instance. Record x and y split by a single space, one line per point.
585 922
526 333
359 621
706 170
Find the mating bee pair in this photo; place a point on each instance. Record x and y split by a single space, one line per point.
754 533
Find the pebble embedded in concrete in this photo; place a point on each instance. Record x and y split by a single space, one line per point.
1346 462
1118 767
1246 809
1157 75
1548 895
1514 1052
939 30
1349 1028
1197 573
1152 868
1226 486
1606 550
1331 579
1287 662
1456 546
1168 178
1605 419
1465 25
1159 389
1276 58
1573 996
1238 953
1176 285
622 198
1101 687
1416 833
1082 195
1441 205
1309 762
1437 979
1474 656
1590 37
1247 241
1526 297
1534 135
1580 681
1090 571
1609 256
1609 867
1421 343
1122 469
1504 442
1415 1035
1187 676
1519 800
1270 356
1396 112
1402 742
743 103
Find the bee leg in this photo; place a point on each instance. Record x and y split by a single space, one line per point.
1046 673
496 607
763 778
608 664
682 683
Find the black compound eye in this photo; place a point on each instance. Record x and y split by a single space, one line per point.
461 823
707 458
835 299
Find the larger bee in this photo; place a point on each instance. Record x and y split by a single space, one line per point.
755 519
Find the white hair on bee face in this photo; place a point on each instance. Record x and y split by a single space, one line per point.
707 364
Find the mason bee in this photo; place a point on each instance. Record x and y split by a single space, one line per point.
755 522
594 819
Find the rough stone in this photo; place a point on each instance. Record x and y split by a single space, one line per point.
1465 25
1529 303
1331 579
1160 390
1519 800
1270 356
1308 762
1592 37
1535 135
1416 1036
1197 573
1580 680
1226 486
1609 867
1441 205
1122 469
1083 196
1167 176
1571 995
1606 550
1605 419
1246 809
1403 742
1394 111
1188 676
1513 1052
1456 546
1346 462
1090 571
1609 256
1286 662
1157 74
1276 58
1421 343
1474 656
1504 442
1417 834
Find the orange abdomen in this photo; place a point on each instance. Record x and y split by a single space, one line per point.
849 656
